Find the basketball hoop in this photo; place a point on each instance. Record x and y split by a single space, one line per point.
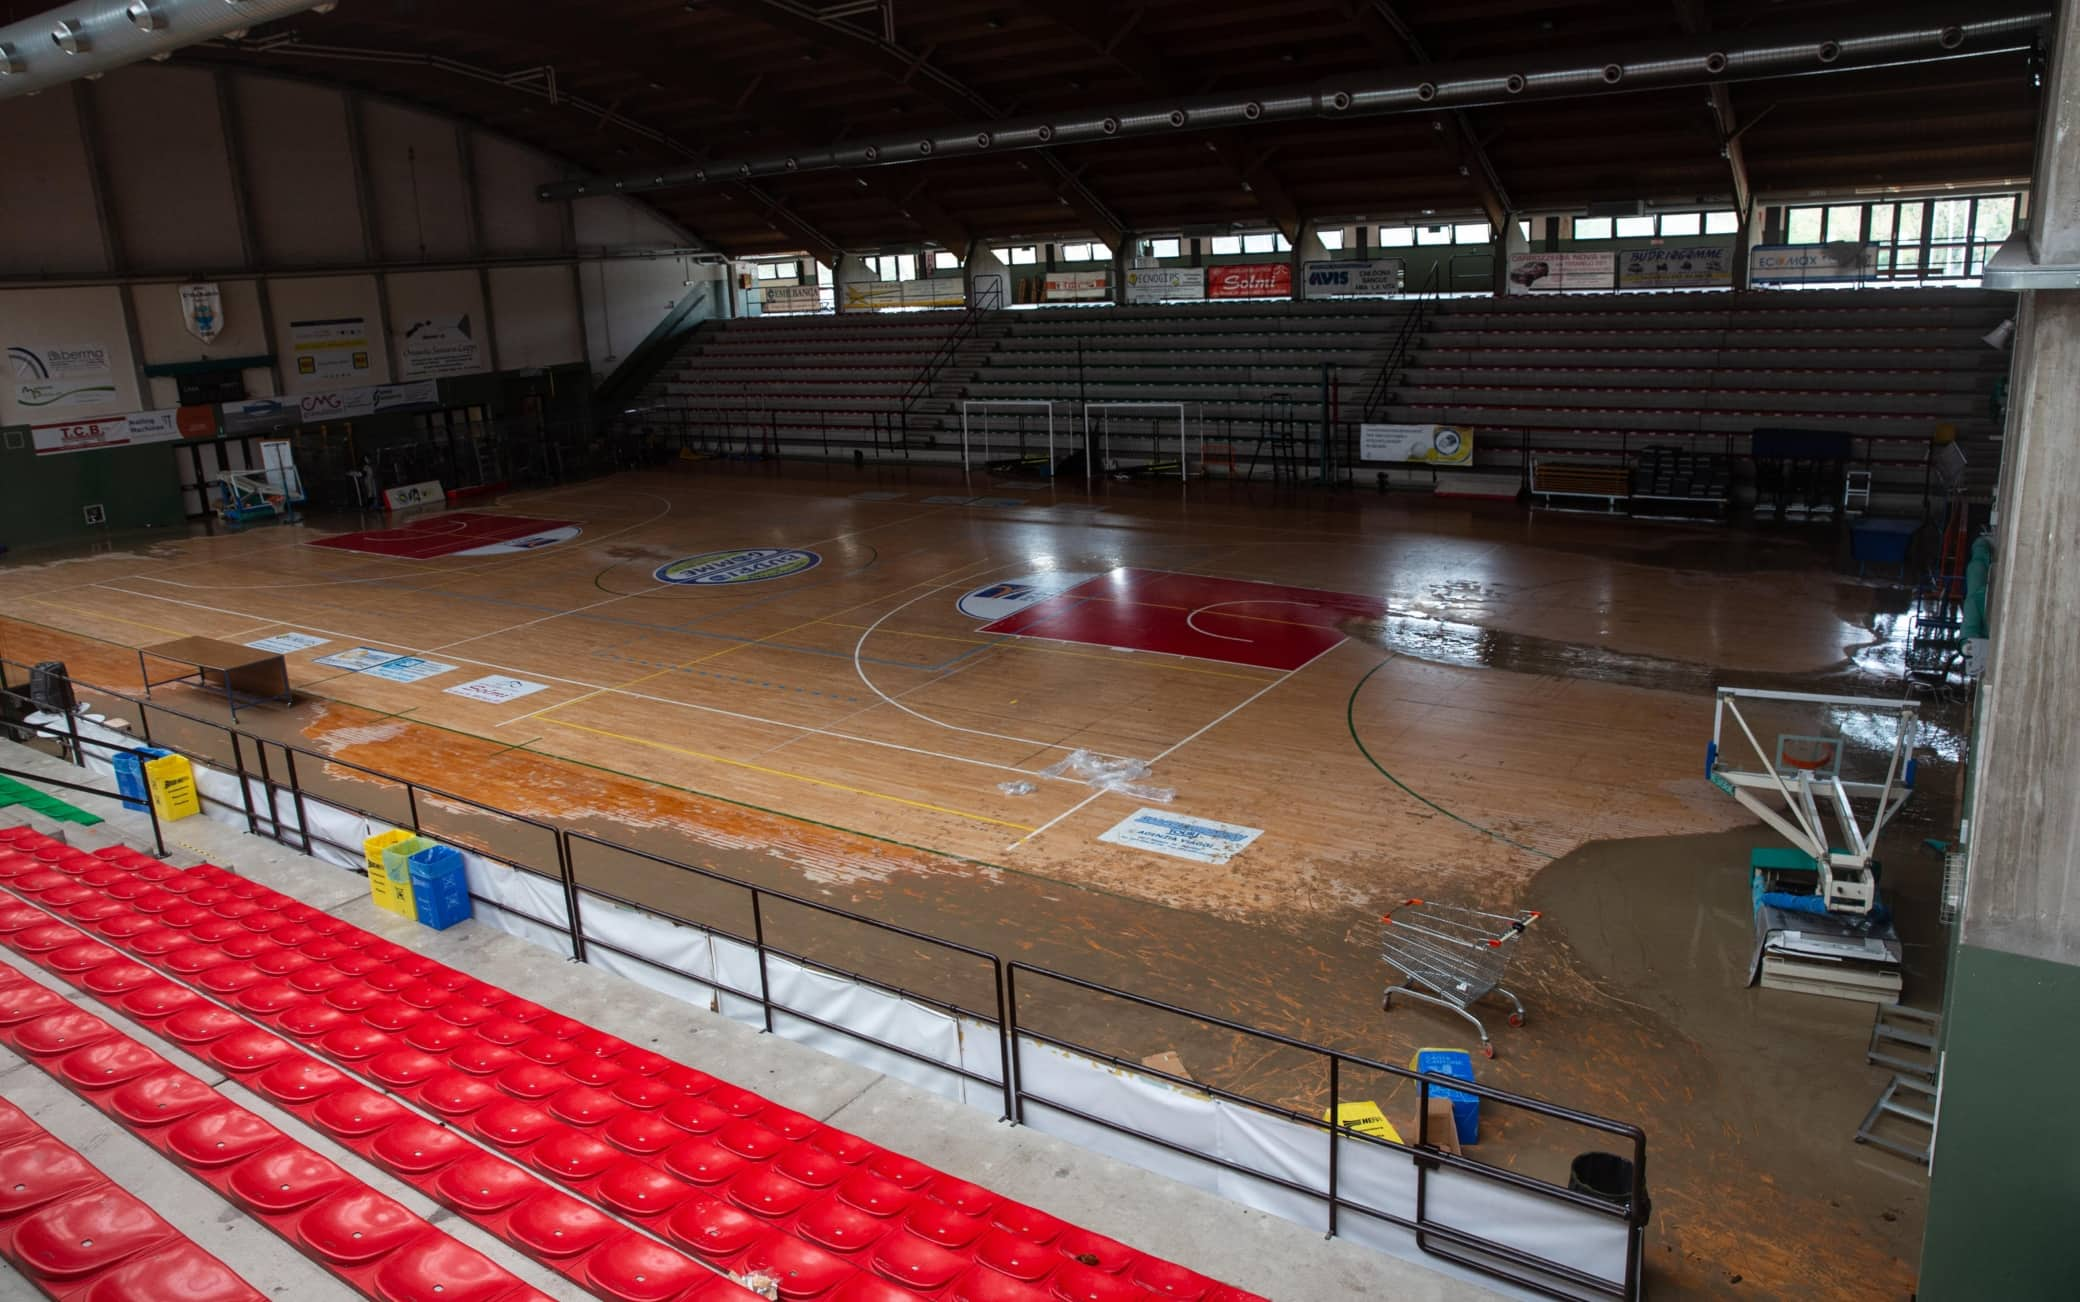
1820 756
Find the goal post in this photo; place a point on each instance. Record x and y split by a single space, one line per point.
1152 413
972 407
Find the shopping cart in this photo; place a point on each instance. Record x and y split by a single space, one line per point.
1458 953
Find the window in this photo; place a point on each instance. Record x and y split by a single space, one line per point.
823 274
1259 243
1845 223
1224 245
1075 252
1023 255
1331 240
1396 237
1524 228
1803 226
944 261
779 270
1433 235
1722 223
1632 228
1472 233
1682 223
1166 248
1592 228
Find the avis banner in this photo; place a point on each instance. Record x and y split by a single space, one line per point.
1166 284
1354 279
1250 280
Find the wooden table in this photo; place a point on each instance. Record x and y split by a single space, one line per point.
242 673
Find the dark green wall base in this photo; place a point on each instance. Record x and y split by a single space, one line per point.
43 499
2004 1203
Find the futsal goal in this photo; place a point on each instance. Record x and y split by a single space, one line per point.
1004 435
1144 439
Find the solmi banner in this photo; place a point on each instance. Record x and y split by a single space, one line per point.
1250 280
1354 279
1166 284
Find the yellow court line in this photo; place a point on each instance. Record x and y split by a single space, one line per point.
783 773
1014 642
96 614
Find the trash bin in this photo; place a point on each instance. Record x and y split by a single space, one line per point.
170 783
129 766
440 888
390 873
1602 1175
1466 1107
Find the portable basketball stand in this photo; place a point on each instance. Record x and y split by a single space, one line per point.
273 493
1804 770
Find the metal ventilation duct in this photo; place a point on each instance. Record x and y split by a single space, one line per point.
1963 29
87 40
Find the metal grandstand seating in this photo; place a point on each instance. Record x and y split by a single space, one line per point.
481 1100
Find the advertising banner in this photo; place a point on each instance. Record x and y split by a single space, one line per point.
442 345
1677 266
1791 264
1250 280
793 298
1432 445
1166 284
335 349
949 292
1072 286
1545 273
108 432
71 375
1354 279
348 404
259 415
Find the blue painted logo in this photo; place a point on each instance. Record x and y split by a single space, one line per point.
742 565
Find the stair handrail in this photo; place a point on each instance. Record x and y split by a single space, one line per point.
1427 296
988 297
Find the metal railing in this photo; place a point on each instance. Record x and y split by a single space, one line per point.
574 861
1426 297
989 297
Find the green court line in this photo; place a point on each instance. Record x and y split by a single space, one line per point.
1350 720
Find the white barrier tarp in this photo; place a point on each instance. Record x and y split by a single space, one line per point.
1528 1222
736 968
1279 1148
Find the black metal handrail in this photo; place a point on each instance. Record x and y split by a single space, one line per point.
1426 297
988 297
1006 1021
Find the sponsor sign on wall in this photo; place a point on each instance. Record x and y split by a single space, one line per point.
335 349
348 404
1545 273
426 492
739 565
202 311
949 292
793 298
440 345
60 375
107 432
1250 280
1790 264
1076 286
1353 279
1436 445
1676 266
1166 284
258 415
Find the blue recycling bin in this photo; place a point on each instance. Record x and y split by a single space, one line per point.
440 887
1466 1108
130 783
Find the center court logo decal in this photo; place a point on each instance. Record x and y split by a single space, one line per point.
1001 600
742 565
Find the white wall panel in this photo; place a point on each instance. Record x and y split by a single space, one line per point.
38 320
415 183
326 298
534 313
162 332
612 223
625 298
299 172
169 178
514 221
47 223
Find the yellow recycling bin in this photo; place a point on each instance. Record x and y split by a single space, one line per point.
172 786
390 889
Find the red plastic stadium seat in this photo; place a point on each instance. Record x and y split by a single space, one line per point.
284 1178
766 1192
435 1268
644 1092
356 1044
250 1050
61 1032
571 1154
393 1015
1027 1222
75 1238
403 1068
714 1229
277 961
484 1185
435 1036
514 1123
749 1139
641 1132
532 1080
1166 1279
414 1148
985 1285
178 1272
506 1031
633 1187
871 1193
697 1115
357 1112
118 978
1076 1282
203 1023
870 1288
26 1002
915 1264
156 999
1017 1257
39 1171
547 1050
968 1199
737 1102
687 1080
849 1149
1112 1256
803 1270
588 1070
161 1098
457 1093
940 1224
703 1161
897 1169
583 1105
833 1223
299 1080
108 1064
308 1018
220 1136
357 1225
553 1225
632 1268
482 1058
811 1166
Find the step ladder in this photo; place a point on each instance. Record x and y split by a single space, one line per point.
1904 1039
